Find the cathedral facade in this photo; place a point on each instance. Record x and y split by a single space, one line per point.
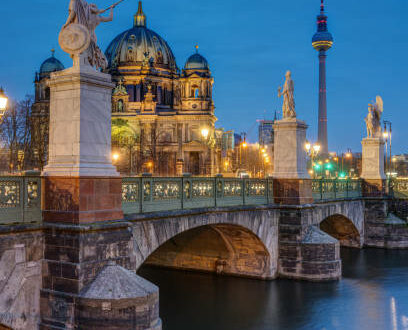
163 118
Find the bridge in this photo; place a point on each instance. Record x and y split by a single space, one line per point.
239 227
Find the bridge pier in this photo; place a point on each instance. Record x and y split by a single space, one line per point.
86 241
305 252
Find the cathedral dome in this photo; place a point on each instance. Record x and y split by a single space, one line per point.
196 62
138 44
51 65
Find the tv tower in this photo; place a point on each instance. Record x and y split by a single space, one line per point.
322 41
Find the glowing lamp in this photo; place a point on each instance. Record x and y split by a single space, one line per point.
244 145
204 133
308 146
3 101
316 148
385 135
115 156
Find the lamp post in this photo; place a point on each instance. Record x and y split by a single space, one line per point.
312 151
388 140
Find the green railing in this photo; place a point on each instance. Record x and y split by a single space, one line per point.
148 194
20 196
20 199
326 189
398 188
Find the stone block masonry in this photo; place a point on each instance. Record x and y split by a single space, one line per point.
21 254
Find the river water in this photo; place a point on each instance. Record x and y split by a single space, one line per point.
373 294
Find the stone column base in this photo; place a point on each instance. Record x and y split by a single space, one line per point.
306 252
374 187
74 255
77 200
315 258
118 299
292 191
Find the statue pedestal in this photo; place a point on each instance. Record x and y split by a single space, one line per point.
80 183
373 167
292 184
80 124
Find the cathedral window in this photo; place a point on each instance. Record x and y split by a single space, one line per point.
120 106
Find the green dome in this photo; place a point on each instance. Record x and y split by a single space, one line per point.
51 65
196 62
132 46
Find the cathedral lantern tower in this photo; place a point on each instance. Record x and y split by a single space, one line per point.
322 41
197 84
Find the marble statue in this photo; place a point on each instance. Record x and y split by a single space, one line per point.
288 108
373 119
78 34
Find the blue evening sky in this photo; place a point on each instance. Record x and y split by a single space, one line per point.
249 45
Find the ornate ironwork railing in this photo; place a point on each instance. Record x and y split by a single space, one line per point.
150 194
20 196
326 189
398 188
20 199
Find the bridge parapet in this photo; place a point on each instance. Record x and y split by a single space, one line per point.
148 194
21 196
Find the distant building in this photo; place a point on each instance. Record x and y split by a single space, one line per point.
399 165
162 117
265 132
40 110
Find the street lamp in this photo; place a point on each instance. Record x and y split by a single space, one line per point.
3 102
115 157
204 133
388 140
312 151
316 148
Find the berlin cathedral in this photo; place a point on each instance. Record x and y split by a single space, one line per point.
163 118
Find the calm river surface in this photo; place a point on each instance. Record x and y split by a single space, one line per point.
373 294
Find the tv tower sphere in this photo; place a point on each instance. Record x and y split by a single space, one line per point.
322 40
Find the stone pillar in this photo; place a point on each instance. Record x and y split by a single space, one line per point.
305 252
373 167
82 204
292 184
80 183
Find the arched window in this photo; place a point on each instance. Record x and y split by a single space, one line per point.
47 93
120 106
195 92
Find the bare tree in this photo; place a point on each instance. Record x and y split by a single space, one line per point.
16 134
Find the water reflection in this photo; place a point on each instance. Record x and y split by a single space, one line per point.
373 294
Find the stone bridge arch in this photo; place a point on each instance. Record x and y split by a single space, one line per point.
343 220
242 243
